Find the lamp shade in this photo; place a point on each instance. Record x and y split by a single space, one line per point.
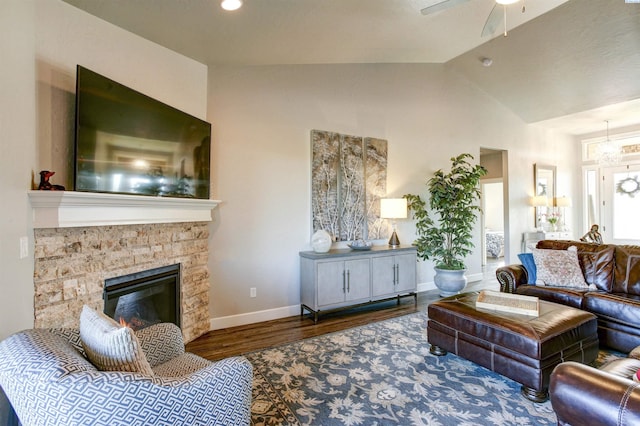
539 201
393 208
563 202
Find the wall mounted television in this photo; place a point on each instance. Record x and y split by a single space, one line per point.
129 143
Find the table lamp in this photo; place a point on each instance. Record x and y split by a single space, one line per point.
538 202
393 208
563 203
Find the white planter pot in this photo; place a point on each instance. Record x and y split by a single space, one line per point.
450 282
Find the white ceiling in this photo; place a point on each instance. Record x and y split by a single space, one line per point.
576 56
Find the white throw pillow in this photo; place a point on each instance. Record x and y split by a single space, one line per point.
110 346
559 268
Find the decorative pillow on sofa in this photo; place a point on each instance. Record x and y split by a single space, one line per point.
530 265
110 346
559 268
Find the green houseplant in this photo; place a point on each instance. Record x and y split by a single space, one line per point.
447 238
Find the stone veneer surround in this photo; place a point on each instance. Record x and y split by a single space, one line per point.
71 265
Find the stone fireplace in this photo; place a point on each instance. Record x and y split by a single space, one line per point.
72 261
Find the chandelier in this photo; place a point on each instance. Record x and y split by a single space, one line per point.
609 152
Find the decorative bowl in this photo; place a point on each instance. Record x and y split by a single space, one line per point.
360 245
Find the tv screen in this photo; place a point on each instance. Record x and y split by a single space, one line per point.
127 142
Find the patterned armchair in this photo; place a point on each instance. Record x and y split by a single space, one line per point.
49 381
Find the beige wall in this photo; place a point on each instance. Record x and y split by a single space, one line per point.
17 153
262 118
43 41
493 164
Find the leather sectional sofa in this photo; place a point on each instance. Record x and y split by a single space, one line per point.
614 271
582 395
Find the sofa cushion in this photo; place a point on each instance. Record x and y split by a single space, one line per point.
564 295
110 346
559 268
596 260
622 367
182 365
529 265
624 308
627 272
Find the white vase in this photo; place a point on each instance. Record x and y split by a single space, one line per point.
450 282
321 241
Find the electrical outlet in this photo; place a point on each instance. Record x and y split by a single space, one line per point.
24 247
252 292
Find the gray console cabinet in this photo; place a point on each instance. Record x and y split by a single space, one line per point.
344 278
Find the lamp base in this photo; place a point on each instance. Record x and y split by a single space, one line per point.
394 242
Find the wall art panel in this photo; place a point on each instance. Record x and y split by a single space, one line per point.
352 192
375 169
325 151
348 180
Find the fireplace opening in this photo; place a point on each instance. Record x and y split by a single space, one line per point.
144 298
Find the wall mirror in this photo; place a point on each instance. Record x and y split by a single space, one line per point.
544 177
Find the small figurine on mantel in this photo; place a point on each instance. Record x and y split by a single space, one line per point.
45 185
593 236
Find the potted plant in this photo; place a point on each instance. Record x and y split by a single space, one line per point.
447 238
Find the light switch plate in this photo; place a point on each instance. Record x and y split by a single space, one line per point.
24 247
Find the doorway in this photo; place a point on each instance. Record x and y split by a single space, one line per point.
495 206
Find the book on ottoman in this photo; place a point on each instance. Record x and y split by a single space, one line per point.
507 302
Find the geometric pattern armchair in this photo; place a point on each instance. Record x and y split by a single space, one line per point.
49 381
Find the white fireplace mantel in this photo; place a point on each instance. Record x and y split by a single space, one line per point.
66 209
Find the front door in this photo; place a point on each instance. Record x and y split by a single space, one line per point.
621 205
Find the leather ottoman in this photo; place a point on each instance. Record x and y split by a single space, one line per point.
523 348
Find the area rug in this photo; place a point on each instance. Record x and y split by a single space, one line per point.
383 374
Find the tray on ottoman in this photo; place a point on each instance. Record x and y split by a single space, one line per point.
521 347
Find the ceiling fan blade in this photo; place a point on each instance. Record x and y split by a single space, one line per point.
493 21
443 5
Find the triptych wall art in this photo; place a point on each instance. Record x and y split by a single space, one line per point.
348 178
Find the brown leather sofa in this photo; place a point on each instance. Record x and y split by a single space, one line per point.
586 396
615 272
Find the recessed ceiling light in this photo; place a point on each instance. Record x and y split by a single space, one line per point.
231 4
507 1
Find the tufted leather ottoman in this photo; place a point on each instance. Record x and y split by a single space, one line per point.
520 347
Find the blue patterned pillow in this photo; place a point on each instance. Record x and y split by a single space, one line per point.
530 265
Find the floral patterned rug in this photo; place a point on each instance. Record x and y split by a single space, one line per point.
383 374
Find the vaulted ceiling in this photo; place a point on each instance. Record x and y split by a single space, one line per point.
567 65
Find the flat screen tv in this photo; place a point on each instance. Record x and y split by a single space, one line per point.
129 143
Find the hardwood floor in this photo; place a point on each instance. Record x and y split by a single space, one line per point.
218 344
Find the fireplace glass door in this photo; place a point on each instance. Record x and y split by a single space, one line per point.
144 298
